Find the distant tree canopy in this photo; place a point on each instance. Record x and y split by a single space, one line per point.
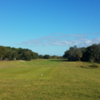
90 53
73 54
2 52
8 53
40 56
46 56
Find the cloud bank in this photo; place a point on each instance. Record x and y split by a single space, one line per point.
59 39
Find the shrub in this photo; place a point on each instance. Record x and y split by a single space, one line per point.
90 66
94 66
46 56
83 66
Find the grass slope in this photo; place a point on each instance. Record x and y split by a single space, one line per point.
61 80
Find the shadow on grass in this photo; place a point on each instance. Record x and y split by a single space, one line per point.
59 60
63 60
98 62
92 62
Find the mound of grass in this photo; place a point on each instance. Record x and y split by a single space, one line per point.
90 66
82 66
93 66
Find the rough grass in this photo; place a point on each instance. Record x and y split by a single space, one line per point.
61 80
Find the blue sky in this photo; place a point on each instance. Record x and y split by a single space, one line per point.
49 26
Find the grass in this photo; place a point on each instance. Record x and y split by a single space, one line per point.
61 80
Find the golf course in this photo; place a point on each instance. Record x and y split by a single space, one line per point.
49 79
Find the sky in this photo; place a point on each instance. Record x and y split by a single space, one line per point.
49 26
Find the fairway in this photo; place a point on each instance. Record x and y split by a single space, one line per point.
43 79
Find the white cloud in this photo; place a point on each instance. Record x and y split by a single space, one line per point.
63 40
88 42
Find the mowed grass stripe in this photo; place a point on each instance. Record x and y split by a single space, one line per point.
25 72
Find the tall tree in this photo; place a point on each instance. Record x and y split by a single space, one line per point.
92 53
73 54
2 52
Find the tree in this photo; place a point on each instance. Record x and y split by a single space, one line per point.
40 56
73 54
2 52
92 53
46 56
14 53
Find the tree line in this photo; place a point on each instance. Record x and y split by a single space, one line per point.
8 53
90 53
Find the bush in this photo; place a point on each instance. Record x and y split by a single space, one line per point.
94 66
46 56
83 66
90 66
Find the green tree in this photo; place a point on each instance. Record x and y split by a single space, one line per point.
2 52
46 56
73 54
92 53
40 56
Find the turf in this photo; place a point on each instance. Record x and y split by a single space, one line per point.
60 80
